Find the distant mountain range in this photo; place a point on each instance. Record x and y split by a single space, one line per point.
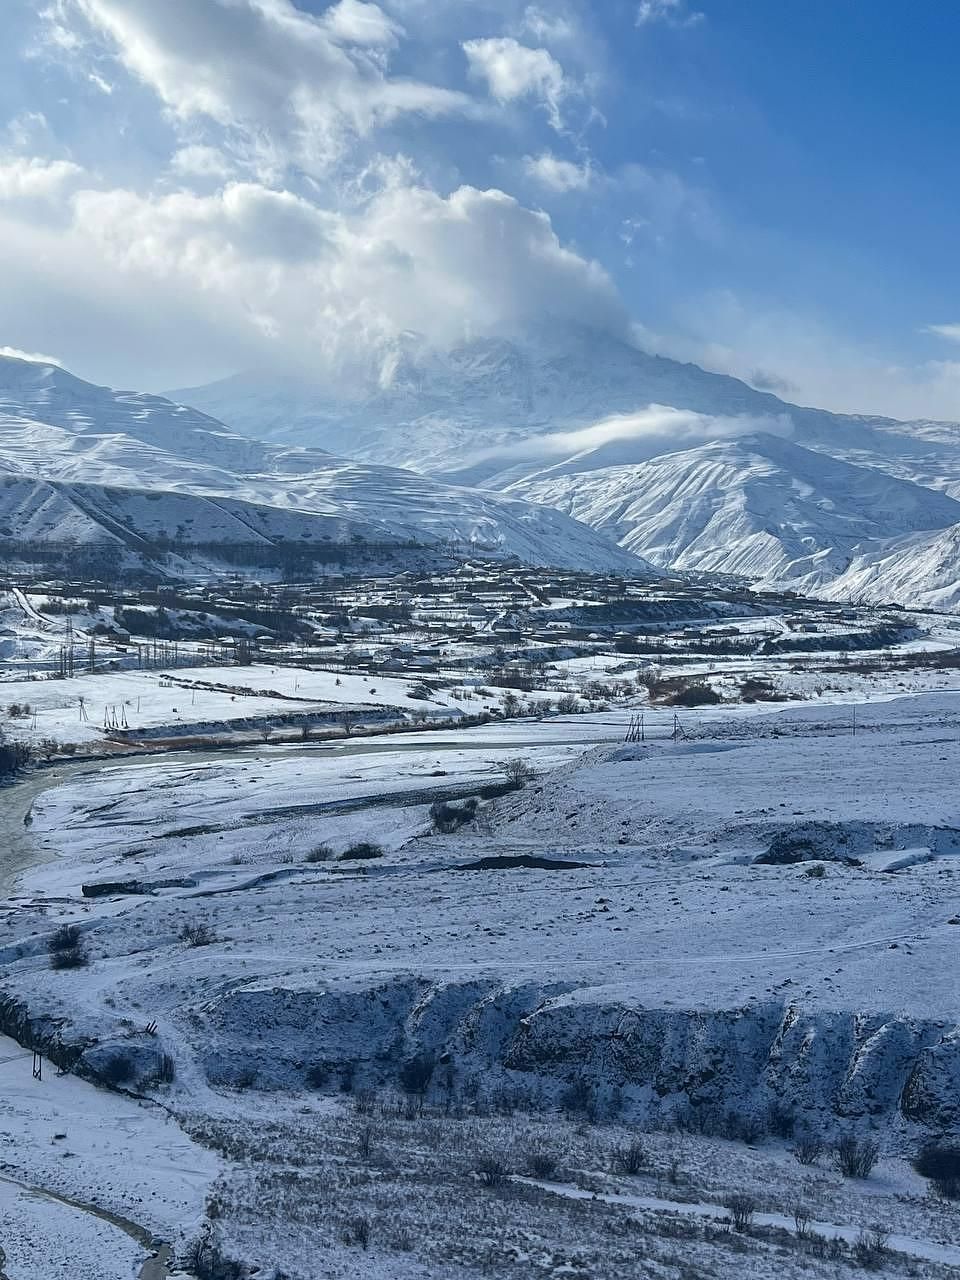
569 447
88 465
688 469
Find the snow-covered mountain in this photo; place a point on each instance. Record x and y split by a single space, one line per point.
922 569
691 468
758 506
467 412
81 459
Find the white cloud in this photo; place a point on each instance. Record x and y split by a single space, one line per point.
804 358
673 13
557 174
290 284
513 71
33 357
266 67
628 438
551 27
30 178
356 22
949 331
201 161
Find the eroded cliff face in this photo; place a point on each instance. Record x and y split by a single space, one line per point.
545 1045
541 1046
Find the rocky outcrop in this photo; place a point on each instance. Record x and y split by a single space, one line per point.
830 1069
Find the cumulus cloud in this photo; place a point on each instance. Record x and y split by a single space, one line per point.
513 70
31 178
269 67
557 174
304 287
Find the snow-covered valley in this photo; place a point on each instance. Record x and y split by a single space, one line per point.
714 946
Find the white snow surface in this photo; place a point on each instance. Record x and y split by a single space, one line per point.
759 507
87 464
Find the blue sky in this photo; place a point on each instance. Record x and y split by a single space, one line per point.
764 186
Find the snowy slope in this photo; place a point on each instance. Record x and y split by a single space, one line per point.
922 570
758 506
422 408
79 457
427 409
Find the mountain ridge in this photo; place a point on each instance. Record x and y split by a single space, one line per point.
57 430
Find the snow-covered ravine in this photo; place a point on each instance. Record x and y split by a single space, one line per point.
606 932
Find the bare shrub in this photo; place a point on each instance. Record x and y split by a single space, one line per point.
69 958
491 1169
360 850
741 1208
940 1162
198 933
629 1159
517 772
416 1074
322 853
807 1149
870 1247
65 937
542 1163
66 948
855 1157
448 818
357 1232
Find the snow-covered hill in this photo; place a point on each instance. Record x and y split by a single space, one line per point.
758 506
922 569
89 464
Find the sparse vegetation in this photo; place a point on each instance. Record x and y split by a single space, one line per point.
807 1149
448 818
855 1157
491 1169
517 772
198 933
361 850
940 1162
320 853
66 948
741 1208
629 1159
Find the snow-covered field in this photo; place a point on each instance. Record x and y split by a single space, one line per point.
679 937
202 700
